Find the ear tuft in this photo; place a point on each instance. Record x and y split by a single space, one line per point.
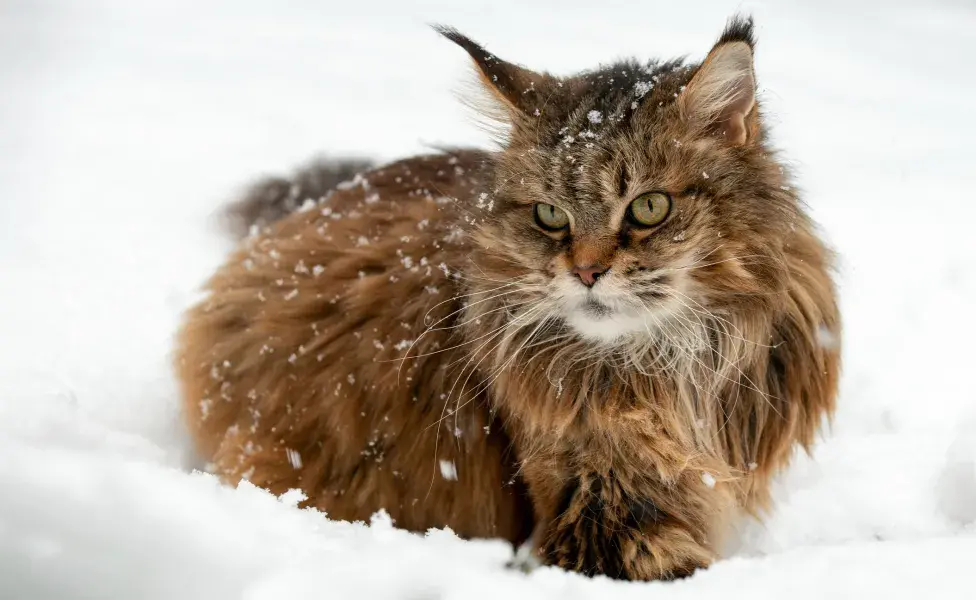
517 89
472 47
738 29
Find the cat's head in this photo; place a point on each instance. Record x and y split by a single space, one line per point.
632 195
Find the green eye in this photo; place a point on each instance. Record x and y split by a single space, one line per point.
550 218
650 209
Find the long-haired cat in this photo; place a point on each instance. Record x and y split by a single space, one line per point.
603 338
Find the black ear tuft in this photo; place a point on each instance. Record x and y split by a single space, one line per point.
518 88
460 39
496 73
738 29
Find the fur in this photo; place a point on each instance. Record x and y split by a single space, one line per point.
416 342
274 198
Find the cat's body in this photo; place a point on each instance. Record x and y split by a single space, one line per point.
314 318
616 378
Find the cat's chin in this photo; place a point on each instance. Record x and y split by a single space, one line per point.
601 324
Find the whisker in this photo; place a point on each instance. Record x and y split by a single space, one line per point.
442 417
421 336
465 343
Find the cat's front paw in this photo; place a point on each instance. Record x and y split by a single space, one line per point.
625 554
599 532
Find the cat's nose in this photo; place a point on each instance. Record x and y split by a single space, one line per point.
589 275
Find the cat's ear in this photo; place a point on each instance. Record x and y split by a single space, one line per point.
518 90
721 96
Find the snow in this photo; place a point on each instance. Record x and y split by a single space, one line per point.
448 470
126 124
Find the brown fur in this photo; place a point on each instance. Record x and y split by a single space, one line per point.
400 345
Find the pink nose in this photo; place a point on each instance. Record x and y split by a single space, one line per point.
589 275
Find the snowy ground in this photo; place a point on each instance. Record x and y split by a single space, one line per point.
124 124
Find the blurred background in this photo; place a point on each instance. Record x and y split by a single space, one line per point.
125 124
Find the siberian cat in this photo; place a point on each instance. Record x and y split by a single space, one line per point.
603 338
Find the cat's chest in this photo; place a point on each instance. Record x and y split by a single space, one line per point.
583 401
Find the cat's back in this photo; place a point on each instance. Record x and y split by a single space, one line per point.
347 282
326 344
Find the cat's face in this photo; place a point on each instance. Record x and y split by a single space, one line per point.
621 213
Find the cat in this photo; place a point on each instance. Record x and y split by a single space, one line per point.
601 340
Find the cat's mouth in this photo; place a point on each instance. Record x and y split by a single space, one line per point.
601 321
607 313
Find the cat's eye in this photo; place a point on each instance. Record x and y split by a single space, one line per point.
550 218
650 209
